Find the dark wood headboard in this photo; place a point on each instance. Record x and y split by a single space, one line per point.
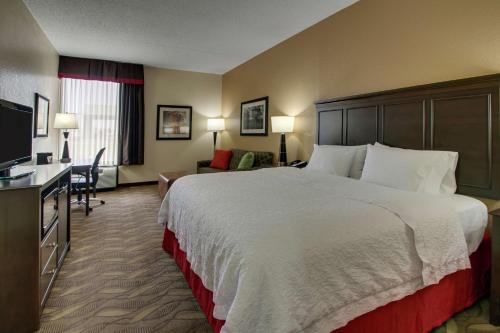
461 115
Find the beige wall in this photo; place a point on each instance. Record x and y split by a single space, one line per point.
164 86
370 46
28 64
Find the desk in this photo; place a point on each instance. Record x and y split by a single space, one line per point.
84 169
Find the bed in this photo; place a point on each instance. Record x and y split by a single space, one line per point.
261 253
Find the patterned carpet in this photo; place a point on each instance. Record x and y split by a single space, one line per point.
117 278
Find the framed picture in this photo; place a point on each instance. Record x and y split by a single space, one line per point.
41 128
253 119
173 122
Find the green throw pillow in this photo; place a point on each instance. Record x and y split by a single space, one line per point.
246 161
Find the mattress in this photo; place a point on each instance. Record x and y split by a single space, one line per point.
473 217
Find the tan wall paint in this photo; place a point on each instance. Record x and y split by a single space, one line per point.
370 46
28 64
164 86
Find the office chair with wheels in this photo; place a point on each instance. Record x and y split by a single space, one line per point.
78 182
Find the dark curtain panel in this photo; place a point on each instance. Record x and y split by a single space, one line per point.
131 112
131 125
100 70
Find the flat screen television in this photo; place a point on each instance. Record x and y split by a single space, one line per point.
16 129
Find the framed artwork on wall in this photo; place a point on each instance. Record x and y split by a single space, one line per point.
41 121
173 122
253 118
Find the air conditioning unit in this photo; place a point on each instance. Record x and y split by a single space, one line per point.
108 177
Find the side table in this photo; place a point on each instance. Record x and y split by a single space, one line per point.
166 179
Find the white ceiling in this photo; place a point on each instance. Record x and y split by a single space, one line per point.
211 36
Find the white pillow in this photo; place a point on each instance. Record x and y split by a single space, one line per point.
358 161
405 169
336 160
449 183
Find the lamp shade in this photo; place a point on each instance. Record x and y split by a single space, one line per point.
65 121
282 124
216 124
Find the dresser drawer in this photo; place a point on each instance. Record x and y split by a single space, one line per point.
49 245
47 276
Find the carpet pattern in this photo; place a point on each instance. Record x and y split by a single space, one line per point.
116 278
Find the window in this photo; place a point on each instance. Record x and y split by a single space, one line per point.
95 104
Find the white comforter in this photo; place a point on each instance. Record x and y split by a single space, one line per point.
284 250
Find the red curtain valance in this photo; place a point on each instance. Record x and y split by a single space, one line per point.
100 70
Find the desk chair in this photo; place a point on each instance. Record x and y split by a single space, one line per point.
78 182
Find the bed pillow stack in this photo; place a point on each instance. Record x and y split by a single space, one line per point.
426 171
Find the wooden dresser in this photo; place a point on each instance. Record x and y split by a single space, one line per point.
34 240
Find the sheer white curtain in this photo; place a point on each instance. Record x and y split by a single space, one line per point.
96 106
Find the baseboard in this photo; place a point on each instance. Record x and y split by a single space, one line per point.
151 182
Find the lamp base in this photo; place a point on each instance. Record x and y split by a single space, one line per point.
215 140
282 159
65 155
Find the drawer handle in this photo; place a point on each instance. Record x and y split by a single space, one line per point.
54 244
52 271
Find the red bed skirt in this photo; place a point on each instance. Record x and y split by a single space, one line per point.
416 313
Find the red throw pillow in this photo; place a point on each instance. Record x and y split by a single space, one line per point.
221 159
